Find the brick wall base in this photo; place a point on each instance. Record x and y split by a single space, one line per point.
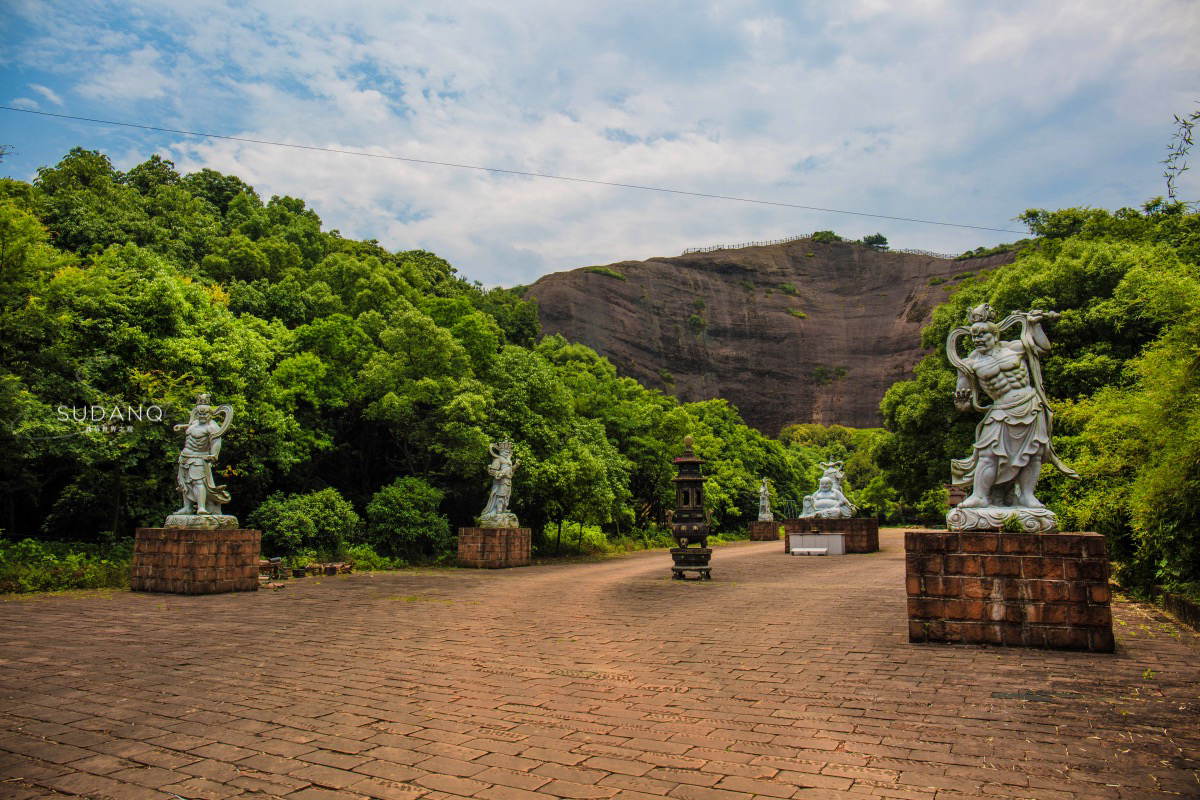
494 548
182 561
861 534
763 531
1015 589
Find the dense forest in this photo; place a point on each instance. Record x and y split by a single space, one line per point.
367 384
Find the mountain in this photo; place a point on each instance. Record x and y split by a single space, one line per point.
802 331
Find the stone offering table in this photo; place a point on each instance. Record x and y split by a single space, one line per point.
1017 589
195 561
494 548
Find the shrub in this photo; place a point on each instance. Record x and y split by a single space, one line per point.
826 237
935 281
797 313
608 272
366 559
33 566
697 323
788 288
319 521
403 521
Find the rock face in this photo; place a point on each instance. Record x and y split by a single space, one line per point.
789 333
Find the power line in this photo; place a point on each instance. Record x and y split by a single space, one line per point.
504 171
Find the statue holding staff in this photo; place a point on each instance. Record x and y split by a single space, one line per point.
1012 441
202 444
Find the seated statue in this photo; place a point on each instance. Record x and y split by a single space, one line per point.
827 502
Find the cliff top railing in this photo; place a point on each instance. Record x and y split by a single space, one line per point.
929 253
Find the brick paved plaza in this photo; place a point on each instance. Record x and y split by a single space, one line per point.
782 677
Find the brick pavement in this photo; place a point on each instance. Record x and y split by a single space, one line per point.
781 678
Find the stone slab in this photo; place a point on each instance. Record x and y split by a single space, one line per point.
494 548
1011 589
195 561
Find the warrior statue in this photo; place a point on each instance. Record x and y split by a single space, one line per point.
202 496
495 513
764 503
1012 441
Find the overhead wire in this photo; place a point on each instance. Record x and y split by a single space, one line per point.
501 170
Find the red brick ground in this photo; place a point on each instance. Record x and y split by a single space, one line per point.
782 677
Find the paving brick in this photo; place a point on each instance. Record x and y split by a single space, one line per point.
625 685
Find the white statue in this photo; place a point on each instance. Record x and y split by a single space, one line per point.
764 503
202 496
1012 441
827 502
495 513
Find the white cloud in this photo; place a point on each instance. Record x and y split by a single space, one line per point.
47 93
933 110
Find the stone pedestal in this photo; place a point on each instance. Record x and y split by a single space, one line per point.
763 531
190 561
1015 589
691 559
494 548
993 518
859 534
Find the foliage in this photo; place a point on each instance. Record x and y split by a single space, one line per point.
1121 377
797 313
403 521
608 272
34 566
876 241
320 521
788 288
365 559
826 237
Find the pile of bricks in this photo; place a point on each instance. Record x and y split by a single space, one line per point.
182 561
1016 589
494 548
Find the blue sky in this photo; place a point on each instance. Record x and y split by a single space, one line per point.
931 109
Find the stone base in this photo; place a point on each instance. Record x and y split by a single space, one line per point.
1014 589
760 531
992 518
860 534
505 519
494 548
202 522
691 559
190 561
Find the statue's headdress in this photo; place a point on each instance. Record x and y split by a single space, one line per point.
981 313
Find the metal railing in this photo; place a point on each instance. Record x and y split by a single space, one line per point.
929 253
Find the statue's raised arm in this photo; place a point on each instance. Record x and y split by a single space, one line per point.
1013 439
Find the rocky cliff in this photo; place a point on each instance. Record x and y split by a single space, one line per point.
796 332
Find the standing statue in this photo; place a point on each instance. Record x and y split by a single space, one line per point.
833 471
1013 438
202 496
764 503
495 513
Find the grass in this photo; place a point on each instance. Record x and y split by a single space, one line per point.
607 272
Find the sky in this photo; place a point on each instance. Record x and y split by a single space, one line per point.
955 112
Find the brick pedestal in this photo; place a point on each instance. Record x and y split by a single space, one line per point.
763 531
183 561
861 534
494 548
1015 589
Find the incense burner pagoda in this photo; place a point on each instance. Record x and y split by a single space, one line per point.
689 525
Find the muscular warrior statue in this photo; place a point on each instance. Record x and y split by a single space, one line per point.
496 512
201 446
1013 439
